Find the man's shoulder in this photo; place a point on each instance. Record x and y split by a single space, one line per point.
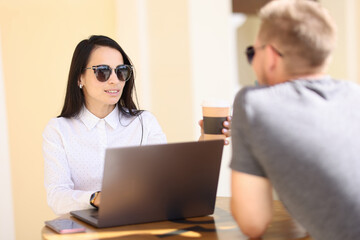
259 95
263 91
297 89
248 92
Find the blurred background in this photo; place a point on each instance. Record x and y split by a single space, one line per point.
184 51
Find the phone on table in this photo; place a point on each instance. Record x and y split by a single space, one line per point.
65 226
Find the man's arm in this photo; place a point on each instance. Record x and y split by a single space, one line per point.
251 203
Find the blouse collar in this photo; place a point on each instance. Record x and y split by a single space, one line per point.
90 120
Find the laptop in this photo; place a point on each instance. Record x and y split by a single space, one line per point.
157 182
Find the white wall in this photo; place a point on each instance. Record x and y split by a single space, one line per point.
213 71
6 204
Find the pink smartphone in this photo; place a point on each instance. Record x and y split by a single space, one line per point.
65 226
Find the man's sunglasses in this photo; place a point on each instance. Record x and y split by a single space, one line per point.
250 52
103 72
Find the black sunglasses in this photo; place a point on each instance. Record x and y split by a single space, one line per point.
103 72
250 52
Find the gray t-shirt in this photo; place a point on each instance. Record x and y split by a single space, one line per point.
304 136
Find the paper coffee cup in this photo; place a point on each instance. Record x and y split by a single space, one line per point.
215 112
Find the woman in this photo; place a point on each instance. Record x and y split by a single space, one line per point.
98 112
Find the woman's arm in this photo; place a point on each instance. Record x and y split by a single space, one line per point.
226 130
61 196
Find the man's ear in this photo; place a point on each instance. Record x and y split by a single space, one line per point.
272 67
272 58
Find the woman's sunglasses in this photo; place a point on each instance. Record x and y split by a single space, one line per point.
103 72
250 52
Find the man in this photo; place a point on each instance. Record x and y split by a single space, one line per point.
298 132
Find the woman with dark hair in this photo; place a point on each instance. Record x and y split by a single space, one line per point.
98 112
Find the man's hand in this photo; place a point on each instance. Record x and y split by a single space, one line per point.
226 130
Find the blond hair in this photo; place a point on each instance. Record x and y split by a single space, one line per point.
303 32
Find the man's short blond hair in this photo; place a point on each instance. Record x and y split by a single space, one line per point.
303 32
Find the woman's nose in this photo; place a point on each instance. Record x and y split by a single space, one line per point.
113 77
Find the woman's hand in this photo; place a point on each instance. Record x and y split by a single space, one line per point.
226 130
97 200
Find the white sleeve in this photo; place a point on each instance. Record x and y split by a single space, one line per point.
152 129
61 196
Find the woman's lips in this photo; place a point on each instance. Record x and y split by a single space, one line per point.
112 91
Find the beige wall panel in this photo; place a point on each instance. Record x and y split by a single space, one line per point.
132 35
343 58
38 39
156 36
246 36
337 67
169 67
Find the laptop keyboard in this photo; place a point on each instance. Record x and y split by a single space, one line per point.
95 214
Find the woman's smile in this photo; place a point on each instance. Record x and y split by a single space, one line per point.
113 92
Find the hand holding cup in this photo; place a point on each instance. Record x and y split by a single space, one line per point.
216 121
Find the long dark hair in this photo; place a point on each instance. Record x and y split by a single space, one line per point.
74 99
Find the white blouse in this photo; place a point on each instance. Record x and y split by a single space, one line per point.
74 150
